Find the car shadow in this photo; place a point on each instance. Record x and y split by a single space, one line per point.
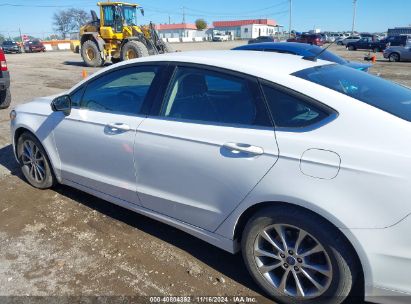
81 63
231 266
8 161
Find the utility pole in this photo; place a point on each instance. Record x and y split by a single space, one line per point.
289 26
184 14
169 19
353 17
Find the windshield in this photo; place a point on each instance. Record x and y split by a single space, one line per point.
375 91
129 14
326 55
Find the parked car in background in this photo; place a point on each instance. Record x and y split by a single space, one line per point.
314 39
398 53
220 37
5 96
303 49
367 43
10 47
263 39
270 155
34 46
348 40
401 40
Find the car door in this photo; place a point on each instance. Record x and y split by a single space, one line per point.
406 53
95 142
206 148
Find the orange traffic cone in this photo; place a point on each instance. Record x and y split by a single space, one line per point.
374 59
84 74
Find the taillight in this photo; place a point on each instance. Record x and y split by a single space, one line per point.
3 63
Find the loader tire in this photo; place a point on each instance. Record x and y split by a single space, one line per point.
168 48
91 54
133 49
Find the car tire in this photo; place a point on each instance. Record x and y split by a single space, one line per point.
5 98
351 48
376 50
334 258
34 162
339 43
394 57
133 49
91 54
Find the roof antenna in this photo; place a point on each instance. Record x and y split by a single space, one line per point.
315 57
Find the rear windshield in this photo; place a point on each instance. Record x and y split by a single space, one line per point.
375 91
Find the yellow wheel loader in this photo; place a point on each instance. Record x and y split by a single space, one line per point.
116 37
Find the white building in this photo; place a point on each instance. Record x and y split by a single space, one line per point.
248 29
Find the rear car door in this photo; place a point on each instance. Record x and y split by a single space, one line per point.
95 142
207 147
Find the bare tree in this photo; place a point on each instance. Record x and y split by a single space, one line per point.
79 17
62 22
69 20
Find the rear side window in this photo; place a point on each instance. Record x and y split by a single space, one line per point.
201 95
375 91
291 111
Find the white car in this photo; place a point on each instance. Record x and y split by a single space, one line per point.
302 165
220 37
349 39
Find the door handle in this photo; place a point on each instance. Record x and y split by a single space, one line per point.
116 126
245 148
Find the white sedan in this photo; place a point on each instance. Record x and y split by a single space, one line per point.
303 165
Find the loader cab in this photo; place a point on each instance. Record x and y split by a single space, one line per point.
118 15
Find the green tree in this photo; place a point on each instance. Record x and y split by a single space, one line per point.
201 24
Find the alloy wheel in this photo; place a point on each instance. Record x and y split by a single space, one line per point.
292 261
35 161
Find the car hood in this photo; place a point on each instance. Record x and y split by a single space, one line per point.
41 105
358 65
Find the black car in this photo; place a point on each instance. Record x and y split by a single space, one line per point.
367 43
10 47
5 97
263 39
402 40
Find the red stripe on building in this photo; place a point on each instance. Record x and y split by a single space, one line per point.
235 23
176 26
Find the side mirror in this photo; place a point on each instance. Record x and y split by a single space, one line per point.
62 104
142 11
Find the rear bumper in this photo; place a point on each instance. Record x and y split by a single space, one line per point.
386 259
4 80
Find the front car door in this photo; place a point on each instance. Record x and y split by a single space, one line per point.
206 149
96 141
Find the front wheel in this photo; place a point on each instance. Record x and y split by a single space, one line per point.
91 54
297 257
351 48
394 57
34 162
132 50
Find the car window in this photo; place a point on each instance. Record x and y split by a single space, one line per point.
208 96
375 91
290 111
122 91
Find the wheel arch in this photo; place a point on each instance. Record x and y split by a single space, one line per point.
359 288
23 129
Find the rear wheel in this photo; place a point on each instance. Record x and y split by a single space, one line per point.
34 162
133 49
5 99
168 48
394 57
351 48
91 54
297 257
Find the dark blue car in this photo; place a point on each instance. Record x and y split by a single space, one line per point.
302 49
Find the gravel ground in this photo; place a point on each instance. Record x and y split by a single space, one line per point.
63 242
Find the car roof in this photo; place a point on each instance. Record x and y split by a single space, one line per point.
266 65
248 61
281 46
